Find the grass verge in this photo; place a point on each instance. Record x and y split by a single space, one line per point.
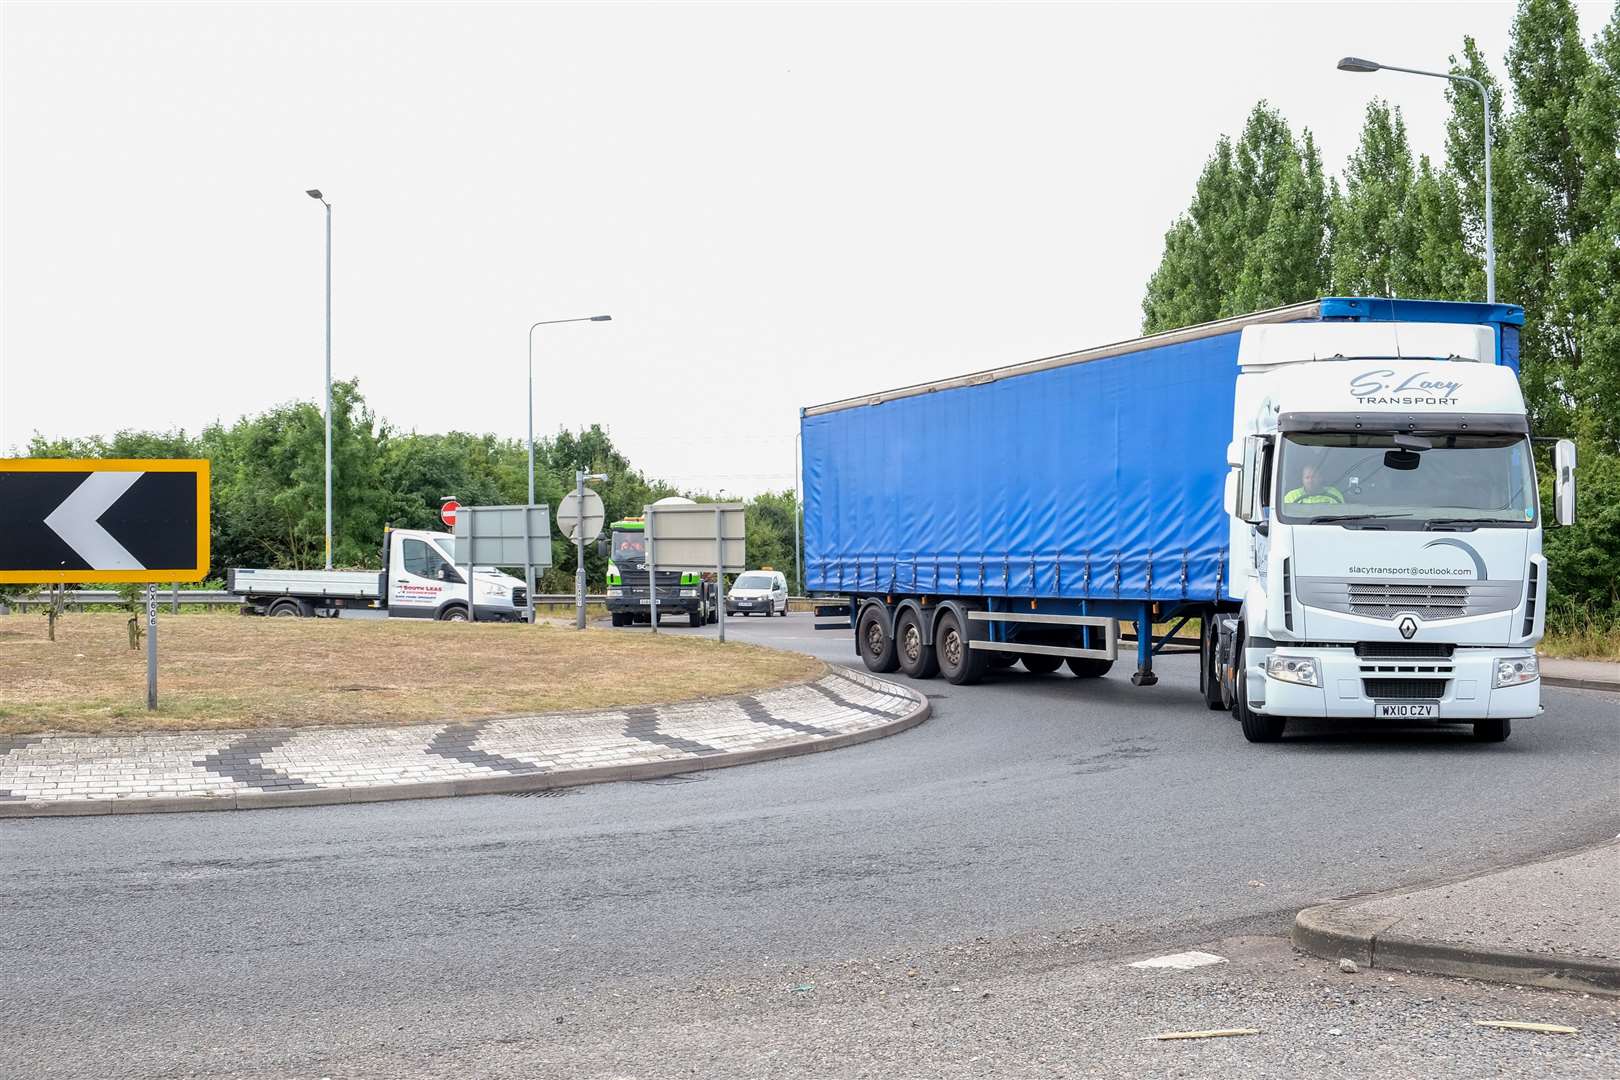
229 671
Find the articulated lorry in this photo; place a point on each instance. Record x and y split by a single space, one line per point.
1342 493
420 580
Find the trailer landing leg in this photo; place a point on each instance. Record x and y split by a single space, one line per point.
1143 675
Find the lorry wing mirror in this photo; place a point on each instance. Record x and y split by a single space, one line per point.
603 548
1248 481
1564 482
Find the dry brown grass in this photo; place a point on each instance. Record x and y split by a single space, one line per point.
229 671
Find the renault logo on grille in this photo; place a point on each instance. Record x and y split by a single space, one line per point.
1407 626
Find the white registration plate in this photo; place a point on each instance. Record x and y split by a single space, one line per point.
1407 710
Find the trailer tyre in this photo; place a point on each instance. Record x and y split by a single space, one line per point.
917 656
1496 730
1089 667
875 642
286 609
961 664
1040 663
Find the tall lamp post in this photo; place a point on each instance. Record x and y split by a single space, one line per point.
1358 65
315 193
544 322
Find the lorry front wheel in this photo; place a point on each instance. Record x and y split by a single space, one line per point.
874 641
1257 727
454 613
961 664
695 618
1493 730
917 656
1041 663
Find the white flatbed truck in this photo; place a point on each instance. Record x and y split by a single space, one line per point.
420 580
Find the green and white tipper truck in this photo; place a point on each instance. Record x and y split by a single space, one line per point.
629 600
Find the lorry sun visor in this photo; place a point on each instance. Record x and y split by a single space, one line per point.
1438 422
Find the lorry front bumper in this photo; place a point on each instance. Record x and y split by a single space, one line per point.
638 602
1352 686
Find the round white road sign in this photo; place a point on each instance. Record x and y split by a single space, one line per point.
588 523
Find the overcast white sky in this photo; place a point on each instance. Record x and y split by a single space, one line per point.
779 205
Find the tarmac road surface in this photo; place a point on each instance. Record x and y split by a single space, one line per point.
1014 852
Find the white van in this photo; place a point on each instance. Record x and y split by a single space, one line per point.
761 591
421 581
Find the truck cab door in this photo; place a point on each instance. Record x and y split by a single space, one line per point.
420 578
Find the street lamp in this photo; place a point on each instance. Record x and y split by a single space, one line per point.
315 193
1360 66
532 329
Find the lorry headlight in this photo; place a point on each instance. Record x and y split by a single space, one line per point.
1516 670
615 592
1294 669
688 592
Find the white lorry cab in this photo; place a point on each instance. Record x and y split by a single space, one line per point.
1385 525
420 580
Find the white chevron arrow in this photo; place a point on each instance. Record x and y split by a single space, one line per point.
75 520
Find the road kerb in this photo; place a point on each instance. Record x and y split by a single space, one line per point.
1337 930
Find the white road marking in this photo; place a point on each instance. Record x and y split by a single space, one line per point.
1181 961
75 520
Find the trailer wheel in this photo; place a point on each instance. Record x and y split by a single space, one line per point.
961 664
874 641
1089 667
453 613
1257 727
286 609
1209 679
1495 730
1040 663
916 655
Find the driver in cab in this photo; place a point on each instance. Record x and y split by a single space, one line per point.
1312 490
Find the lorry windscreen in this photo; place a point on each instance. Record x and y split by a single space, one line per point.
1404 481
629 546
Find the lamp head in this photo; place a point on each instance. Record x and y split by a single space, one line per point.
1357 64
601 318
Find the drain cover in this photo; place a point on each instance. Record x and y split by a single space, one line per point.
543 793
676 778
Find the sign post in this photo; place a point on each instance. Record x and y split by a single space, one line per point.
151 648
720 572
697 537
579 519
517 535
112 520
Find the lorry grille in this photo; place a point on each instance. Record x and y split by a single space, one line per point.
637 579
520 597
1381 600
1405 689
1426 599
1400 650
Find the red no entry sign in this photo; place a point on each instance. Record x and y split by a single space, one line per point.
447 512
